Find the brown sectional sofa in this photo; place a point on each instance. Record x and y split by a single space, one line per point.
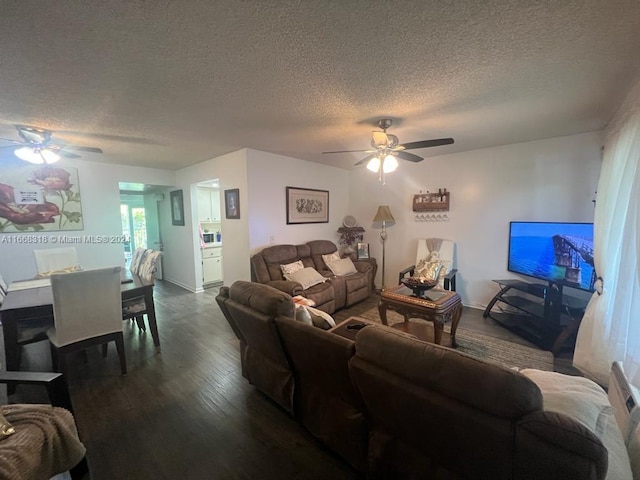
394 406
337 293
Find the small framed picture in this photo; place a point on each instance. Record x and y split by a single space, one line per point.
177 208
232 203
362 250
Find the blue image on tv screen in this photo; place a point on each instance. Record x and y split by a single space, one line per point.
556 252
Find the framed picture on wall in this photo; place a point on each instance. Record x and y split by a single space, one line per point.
177 208
232 203
362 251
306 205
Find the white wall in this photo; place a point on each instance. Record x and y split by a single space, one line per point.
185 267
101 216
547 180
269 175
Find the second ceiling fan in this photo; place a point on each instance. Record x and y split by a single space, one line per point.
385 147
36 146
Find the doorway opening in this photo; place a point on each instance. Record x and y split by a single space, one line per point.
140 219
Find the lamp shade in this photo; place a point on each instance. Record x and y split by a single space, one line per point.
383 215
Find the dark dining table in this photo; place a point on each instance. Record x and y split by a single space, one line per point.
37 302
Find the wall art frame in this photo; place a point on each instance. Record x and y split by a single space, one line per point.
232 203
39 198
362 251
307 205
177 208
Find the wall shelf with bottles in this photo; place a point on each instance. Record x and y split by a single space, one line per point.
432 201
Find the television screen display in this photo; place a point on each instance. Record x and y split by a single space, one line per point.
553 251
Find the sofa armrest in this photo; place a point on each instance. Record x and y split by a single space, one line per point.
363 267
572 450
292 288
403 272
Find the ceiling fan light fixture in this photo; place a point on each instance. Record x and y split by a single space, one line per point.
390 164
36 156
374 164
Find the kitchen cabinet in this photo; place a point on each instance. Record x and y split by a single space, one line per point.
208 204
211 265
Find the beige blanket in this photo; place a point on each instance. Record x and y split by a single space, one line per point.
45 443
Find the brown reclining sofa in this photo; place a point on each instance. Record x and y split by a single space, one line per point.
332 295
394 406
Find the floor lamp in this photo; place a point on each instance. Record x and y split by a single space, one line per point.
383 215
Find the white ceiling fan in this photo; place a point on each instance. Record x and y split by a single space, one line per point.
37 148
386 147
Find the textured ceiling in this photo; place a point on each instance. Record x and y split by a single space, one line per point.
172 83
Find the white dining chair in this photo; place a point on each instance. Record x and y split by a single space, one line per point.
87 310
54 259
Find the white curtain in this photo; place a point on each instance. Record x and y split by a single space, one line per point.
610 329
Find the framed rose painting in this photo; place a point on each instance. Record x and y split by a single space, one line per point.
39 198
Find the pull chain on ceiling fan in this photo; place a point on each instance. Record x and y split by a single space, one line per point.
386 147
36 147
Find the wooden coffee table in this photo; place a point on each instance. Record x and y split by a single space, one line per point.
436 306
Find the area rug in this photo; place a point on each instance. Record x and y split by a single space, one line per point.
490 349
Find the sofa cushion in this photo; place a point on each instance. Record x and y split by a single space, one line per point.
585 401
330 258
577 397
303 315
343 267
307 277
291 267
321 319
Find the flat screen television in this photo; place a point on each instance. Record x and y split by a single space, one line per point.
553 251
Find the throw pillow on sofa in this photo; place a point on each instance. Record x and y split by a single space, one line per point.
291 267
343 267
315 317
330 258
321 319
307 277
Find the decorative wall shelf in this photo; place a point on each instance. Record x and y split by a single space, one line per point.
432 202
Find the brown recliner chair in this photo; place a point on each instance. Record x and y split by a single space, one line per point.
250 309
325 400
435 410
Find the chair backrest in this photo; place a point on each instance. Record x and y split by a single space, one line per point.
136 260
53 259
3 285
149 264
436 249
469 407
86 304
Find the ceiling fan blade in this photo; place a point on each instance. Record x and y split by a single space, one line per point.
64 154
346 151
408 156
80 148
428 143
365 159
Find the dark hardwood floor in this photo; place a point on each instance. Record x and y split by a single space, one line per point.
188 412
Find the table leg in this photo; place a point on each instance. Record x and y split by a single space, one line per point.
151 316
382 311
438 328
454 325
11 347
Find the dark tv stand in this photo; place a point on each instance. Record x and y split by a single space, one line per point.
540 313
